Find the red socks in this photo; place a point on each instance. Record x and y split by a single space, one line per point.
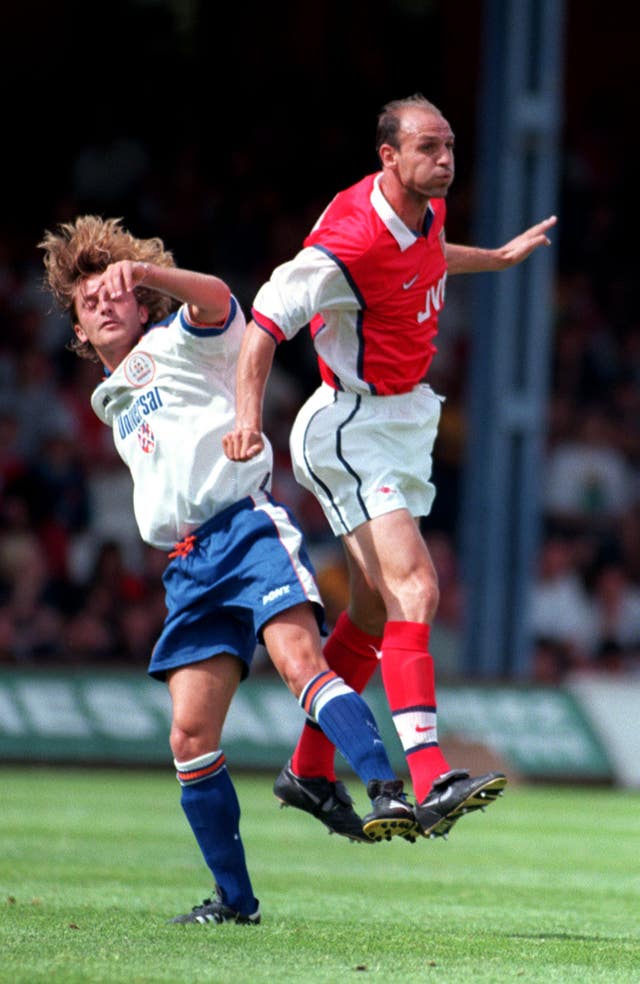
409 682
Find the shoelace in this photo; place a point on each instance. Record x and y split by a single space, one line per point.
183 547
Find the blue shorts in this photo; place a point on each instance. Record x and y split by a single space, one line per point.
245 565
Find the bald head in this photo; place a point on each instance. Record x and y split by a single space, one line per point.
397 114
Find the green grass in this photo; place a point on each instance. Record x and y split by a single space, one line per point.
545 887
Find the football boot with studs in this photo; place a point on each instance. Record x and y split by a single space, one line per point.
324 799
215 911
454 794
391 815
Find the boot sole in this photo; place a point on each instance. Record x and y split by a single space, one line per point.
384 828
476 800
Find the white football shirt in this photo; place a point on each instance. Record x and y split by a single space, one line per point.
169 403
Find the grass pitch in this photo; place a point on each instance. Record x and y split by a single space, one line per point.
544 887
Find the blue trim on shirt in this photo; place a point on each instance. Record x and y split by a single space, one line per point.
265 328
360 331
347 275
428 221
359 319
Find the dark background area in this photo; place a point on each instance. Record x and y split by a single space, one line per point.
250 115
226 129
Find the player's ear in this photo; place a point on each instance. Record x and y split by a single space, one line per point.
80 333
387 155
143 314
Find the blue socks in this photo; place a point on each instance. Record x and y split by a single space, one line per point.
349 723
211 806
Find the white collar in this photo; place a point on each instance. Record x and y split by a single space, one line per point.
403 235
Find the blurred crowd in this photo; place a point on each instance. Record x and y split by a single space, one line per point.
76 584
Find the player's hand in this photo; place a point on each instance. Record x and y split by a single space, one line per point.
522 246
121 277
242 443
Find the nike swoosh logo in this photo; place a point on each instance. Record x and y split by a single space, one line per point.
429 728
411 282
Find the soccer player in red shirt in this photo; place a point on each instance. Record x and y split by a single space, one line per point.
371 280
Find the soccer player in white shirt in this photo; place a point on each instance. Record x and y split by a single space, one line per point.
169 340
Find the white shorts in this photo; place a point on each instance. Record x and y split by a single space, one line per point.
363 456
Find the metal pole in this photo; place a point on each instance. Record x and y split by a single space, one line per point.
518 137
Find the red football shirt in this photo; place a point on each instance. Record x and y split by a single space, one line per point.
371 289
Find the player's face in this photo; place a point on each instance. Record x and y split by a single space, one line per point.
423 162
111 325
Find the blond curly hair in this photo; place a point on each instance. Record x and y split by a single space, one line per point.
87 246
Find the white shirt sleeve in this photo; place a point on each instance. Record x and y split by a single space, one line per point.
311 282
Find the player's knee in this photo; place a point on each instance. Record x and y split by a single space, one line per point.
189 742
299 667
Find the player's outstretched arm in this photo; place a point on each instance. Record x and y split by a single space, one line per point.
469 259
254 365
208 297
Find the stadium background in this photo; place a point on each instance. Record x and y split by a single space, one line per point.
226 130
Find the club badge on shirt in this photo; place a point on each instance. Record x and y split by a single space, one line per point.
139 369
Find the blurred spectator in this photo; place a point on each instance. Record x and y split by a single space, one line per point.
30 625
89 637
616 619
34 400
629 542
13 463
561 619
110 573
624 399
52 488
119 617
138 631
588 479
